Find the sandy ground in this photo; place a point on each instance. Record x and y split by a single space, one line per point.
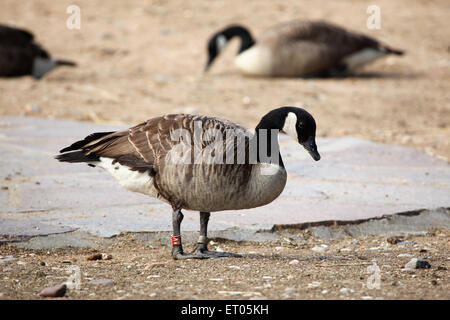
139 59
286 269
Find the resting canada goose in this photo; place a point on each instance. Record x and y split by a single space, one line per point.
199 163
20 55
299 48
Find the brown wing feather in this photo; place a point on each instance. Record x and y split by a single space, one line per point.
313 45
14 36
18 51
15 61
320 32
149 147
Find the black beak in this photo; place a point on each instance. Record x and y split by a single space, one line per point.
210 61
311 147
208 65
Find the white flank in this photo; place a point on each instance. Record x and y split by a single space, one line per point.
362 57
290 125
255 61
41 66
132 180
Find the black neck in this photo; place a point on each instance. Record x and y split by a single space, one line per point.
241 32
267 132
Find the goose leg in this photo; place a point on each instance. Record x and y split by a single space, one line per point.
202 243
177 247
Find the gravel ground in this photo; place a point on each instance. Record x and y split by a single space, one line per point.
141 59
297 266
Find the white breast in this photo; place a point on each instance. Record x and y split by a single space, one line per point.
266 184
255 61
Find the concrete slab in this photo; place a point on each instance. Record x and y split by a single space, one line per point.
397 224
354 180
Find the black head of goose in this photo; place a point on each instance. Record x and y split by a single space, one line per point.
199 163
300 48
21 56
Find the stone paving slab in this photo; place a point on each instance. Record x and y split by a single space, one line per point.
354 180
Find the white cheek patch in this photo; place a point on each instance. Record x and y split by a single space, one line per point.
221 42
290 125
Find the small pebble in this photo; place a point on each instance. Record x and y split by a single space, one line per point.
405 242
246 100
7 260
106 256
321 248
295 261
106 282
94 257
40 274
314 284
162 78
154 265
346 290
417 264
395 239
55 291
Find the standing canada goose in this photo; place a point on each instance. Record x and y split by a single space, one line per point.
299 48
20 55
199 163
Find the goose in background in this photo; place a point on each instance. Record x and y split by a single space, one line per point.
299 48
20 55
154 159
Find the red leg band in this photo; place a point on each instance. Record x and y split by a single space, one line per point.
176 240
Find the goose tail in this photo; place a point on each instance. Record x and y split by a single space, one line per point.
390 50
66 63
79 151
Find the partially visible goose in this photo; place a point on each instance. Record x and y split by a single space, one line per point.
299 48
199 163
20 55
